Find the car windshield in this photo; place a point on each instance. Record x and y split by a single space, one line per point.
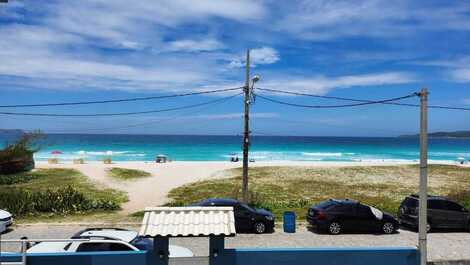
142 243
411 202
247 207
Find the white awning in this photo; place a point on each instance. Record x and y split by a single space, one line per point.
188 221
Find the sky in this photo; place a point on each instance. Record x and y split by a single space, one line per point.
56 51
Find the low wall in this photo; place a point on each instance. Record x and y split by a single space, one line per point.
90 258
323 256
291 256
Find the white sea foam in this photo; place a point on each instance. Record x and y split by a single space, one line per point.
321 154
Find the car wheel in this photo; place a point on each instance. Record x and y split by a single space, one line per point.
334 228
259 227
388 228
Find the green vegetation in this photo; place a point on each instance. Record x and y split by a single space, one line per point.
127 174
18 157
456 134
281 189
55 192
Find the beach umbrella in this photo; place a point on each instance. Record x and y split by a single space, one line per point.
56 152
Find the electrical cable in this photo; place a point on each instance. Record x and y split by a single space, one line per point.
336 106
360 100
119 100
116 114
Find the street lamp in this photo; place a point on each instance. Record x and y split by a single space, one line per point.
255 79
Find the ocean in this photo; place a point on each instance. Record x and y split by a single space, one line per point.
266 148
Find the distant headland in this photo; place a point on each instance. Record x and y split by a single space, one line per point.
455 134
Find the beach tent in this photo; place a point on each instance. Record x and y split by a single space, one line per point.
161 159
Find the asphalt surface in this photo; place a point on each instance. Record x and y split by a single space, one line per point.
441 245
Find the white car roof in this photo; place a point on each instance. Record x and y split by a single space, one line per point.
46 247
124 235
4 214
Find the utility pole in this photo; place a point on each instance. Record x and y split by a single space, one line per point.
423 177
246 134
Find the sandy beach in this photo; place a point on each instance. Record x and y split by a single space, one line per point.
153 191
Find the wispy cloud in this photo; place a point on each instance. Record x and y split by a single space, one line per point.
461 75
237 116
195 45
323 84
263 55
323 20
457 67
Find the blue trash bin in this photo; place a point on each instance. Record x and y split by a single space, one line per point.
289 222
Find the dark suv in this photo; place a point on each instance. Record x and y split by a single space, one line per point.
442 213
336 216
246 218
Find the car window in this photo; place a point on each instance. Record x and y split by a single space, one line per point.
436 204
363 211
342 207
119 247
452 206
327 205
410 202
102 246
240 209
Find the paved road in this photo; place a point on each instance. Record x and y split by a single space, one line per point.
454 245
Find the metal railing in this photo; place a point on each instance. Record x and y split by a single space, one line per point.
24 246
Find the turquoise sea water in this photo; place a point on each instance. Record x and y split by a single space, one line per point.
220 148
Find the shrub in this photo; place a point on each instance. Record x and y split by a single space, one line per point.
18 156
63 201
15 178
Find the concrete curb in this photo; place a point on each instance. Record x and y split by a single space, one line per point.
449 262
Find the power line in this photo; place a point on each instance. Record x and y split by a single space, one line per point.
115 114
222 100
336 106
119 100
361 100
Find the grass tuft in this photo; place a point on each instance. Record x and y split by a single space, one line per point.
56 192
127 174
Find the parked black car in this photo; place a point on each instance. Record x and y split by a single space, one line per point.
442 213
246 218
336 216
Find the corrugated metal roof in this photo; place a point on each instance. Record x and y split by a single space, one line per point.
188 221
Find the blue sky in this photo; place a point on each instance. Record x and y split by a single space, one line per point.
52 51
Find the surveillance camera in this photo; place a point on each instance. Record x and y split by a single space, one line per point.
256 78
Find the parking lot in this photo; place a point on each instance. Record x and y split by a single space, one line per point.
441 245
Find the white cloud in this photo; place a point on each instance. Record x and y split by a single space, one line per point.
322 85
263 55
195 45
324 19
461 75
231 116
61 47
117 22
